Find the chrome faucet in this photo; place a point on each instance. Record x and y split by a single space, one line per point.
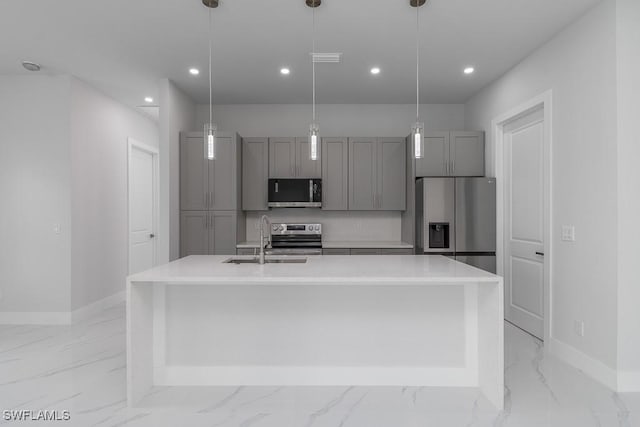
264 220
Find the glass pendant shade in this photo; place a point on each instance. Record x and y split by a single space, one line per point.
418 140
314 140
210 141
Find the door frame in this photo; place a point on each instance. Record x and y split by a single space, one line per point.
498 124
131 145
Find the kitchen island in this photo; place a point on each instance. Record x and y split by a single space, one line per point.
332 320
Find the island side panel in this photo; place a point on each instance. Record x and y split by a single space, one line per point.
139 340
491 341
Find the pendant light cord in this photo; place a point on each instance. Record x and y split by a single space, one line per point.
313 61
210 87
418 63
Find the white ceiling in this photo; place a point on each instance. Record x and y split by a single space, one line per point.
124 46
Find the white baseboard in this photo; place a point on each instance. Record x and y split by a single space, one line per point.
590 366
314 375
60 317
96 307
35 318
629 381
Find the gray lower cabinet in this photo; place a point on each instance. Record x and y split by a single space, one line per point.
290 158
381 251
246 251
336 251
209 184
255 173
335 174
398 251
377 173
209 232
455 153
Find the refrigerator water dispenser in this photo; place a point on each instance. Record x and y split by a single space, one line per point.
439 235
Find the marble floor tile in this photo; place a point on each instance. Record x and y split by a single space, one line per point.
81 368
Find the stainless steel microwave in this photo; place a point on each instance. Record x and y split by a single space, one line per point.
295 193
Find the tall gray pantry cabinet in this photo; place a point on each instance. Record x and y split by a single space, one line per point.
211 220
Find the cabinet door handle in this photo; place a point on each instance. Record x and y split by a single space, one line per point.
210 199
453 167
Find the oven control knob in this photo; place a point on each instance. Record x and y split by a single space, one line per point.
274 227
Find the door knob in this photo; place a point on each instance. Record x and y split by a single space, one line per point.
151 236
540 253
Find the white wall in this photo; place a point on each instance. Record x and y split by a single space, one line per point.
35 264
177 114
334 120
628 50
100 128
579 66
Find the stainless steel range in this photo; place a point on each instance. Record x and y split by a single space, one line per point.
296 239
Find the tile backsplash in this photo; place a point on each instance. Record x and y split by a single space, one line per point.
336 226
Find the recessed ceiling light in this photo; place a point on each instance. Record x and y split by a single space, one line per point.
285 71
469 70
194 71
148 99
375 70
31 66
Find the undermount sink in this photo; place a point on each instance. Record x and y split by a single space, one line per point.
267 260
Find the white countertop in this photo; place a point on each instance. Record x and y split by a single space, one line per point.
382 244
319 269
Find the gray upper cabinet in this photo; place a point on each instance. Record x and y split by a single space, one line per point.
377 174
436 155
466 150
392 174
209 184
363 186
224 175
456 153
305 167
194 174
289 158
255 173
335 174
282 157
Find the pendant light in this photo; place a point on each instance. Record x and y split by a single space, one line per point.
314 137
417 130
210 128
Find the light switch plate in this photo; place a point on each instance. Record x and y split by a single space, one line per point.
568 233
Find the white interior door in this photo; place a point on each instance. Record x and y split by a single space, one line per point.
142 208
524 230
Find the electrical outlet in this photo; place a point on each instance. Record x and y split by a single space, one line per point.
578 327
568 233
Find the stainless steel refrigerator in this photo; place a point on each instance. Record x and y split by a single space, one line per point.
456 217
